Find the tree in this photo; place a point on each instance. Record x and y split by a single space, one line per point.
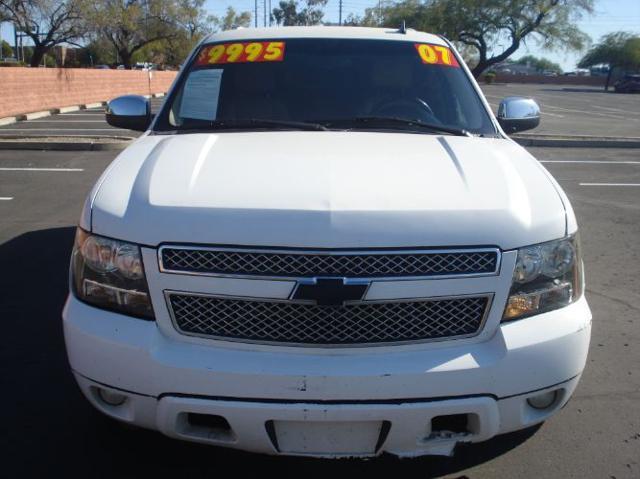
232 19
5 50
294 12
486 24
540 64
195 24
130 25
618 50
46 22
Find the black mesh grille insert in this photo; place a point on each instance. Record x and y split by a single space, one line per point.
291 322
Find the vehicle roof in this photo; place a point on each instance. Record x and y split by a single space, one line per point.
360 33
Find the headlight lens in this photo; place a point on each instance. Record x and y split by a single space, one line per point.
547 276
109 274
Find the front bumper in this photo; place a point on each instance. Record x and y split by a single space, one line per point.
328 402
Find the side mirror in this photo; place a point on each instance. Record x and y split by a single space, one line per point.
132 112
518 114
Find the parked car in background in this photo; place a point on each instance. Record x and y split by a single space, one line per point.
628 84
327 245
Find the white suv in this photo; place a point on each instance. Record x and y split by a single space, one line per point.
325 244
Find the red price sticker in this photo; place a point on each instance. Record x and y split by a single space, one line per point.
247 52
436 55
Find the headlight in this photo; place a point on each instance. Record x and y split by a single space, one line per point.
547 276
109 274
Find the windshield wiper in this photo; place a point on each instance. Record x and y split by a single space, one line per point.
402 123
254 123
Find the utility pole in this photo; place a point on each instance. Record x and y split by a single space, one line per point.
340 14
270 12
15 41
255 14
264 7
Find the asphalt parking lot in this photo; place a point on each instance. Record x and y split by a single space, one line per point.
576 110
89 122
566 110
48 427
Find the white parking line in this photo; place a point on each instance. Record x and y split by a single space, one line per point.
595 162
61 129
617 110
60 120
609 184
6 198
605 115
42 169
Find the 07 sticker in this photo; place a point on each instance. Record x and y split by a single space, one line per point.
436 55
247 52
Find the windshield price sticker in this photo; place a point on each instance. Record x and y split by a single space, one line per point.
436 55
247 52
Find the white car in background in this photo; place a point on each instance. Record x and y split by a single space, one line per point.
325 244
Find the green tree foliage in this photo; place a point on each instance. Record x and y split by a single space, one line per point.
232 19
618 50
130 25
294 12
494 29
46 22
174 50
7 51
540 64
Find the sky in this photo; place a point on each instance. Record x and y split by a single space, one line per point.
609 16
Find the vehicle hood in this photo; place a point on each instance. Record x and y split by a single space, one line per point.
327 190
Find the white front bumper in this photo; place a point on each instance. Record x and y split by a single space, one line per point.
164 378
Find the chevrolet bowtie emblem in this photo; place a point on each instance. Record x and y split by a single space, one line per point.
329 291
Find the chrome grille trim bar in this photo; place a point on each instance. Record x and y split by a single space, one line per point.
495 252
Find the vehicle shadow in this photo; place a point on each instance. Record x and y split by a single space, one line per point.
49 428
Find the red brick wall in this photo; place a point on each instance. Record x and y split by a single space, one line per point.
25 90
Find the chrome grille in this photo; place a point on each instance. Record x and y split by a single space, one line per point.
309 324
342 264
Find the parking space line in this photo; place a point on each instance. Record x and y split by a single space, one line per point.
42 169
64 120
60 129
617 110
609 184
6 198
595 162
606 115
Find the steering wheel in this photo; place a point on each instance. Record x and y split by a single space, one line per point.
411 109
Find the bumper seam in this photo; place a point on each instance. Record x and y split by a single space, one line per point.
328 401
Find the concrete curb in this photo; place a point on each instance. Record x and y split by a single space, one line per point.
34 116
66 109
9 120
88 106
576 141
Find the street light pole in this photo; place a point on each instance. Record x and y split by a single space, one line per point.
255 14
340 14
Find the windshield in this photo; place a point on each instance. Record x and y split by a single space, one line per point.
325 83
